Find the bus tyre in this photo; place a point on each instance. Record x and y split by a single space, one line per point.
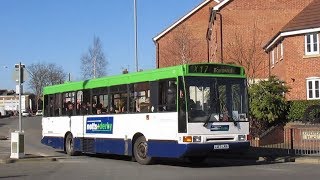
140 151
69 144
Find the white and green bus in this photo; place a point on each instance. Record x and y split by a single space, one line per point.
185 111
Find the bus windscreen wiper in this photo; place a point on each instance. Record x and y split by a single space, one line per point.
207 120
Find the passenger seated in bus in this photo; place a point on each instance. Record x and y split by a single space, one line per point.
94 108
121 106
145 106
99 108
171 97
136 105
70 109
84 109
112 110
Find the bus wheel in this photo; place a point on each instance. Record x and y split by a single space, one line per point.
69 144
197 159
140 150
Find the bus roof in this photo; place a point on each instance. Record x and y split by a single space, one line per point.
205 69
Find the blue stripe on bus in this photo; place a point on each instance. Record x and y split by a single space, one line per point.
101 145
55 142
156 148
173 149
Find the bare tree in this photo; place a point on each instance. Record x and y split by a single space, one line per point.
182 48
93 63
247 51
42 75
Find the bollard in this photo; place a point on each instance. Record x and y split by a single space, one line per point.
17 145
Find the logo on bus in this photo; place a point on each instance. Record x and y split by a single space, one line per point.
103 125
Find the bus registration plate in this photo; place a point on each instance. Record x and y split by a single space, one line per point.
221 146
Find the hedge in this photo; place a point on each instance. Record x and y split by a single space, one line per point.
297 108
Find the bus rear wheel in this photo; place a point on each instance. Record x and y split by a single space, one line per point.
140 151
69 144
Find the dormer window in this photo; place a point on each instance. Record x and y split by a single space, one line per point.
311 44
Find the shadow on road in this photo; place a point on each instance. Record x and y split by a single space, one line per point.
208 163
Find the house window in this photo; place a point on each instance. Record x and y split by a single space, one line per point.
313 91
278 54
281 50
272 58
311 44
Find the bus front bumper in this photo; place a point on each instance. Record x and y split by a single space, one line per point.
174 150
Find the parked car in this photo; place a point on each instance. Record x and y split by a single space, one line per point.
39 113
26 113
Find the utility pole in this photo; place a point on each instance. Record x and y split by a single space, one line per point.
135 34
94 66
19 83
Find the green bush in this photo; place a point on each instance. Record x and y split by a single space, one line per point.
267 102
297 108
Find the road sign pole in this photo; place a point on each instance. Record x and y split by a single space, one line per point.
20 121
17 137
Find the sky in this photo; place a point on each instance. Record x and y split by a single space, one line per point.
61 31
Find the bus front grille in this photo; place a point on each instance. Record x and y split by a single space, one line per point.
220 139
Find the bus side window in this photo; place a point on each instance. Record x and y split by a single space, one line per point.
46 106
141 100
94 104
68 97
85 103
58 105
51 105
168 95
79 102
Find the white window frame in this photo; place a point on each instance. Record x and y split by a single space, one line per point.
278 54
272 58
313 81
281 50
311 43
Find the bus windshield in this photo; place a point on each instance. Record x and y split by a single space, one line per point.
216 99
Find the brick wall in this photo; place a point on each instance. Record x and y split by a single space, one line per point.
240 19
296 67
274 136
298 139
193 30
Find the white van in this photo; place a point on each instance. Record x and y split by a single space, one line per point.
2 112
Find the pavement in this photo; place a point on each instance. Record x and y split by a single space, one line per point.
6 127
5 152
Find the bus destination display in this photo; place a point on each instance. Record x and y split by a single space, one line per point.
214 69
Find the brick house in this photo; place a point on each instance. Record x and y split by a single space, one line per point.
294 54
237 34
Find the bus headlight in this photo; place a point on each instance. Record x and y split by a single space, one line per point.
241 137
196 138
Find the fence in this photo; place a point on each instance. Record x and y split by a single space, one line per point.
291 139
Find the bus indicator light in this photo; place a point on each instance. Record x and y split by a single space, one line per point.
187 138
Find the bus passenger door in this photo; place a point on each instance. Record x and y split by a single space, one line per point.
76 126
76 120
